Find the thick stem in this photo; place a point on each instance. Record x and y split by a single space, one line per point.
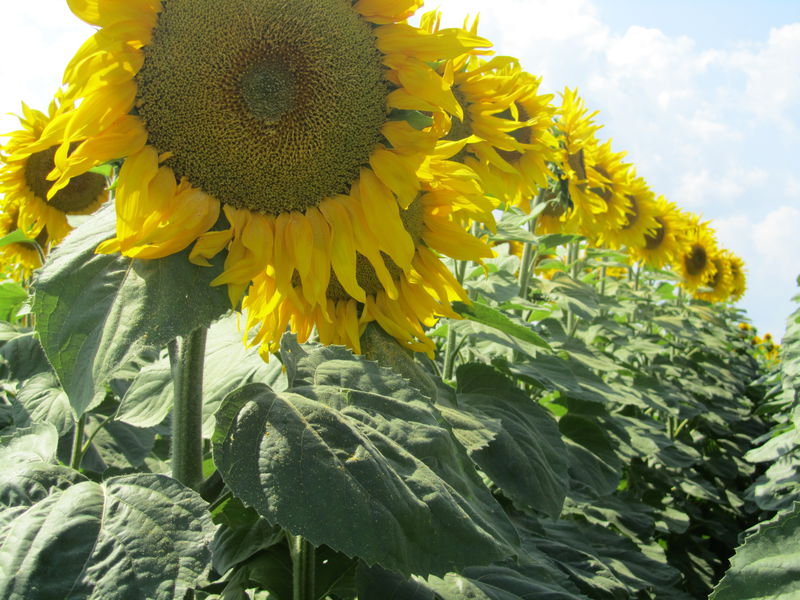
572 258
303 563
460 270
76 456
187 414
636 276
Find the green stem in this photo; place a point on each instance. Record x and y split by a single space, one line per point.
572 258
187 414
450 345
636 276
303 563
76 456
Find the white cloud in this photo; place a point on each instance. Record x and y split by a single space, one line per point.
771 70
703 188
39 38
777 241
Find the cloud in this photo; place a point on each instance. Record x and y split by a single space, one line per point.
773 80
777 241
39 37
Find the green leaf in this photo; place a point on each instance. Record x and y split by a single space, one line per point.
497 583
352 431
15 237
24 357
486 315
228 365
593 461
131 537
95 312
767 565
38 442
528 459
12 297
41 400
375 582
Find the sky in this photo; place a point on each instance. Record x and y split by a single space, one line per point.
703 95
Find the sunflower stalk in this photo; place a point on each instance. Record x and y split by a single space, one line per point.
451 343
303 568
573 252
76 456
186 358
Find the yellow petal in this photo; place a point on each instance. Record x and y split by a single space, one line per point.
107 12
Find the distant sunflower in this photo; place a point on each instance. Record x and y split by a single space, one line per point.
718 286
698 246
506 125
285 116
609 218
24 183
577 150
660 243
739 278
639 217
19 259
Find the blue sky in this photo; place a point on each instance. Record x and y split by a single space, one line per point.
704 96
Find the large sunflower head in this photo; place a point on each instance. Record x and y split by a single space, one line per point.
660 243
288 132
698 246
24 182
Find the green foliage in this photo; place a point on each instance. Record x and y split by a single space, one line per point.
97 312
767 565
601 438
62 535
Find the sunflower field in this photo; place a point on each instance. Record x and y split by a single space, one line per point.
318 299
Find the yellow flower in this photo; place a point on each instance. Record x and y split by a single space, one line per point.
403 303
578 150
660 243
739 278
284 117
25 187
506 127
698 246
718 286
640 221
19 259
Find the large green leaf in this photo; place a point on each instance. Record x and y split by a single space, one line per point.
593 461
41 400
354 457
95 312
528 459
486 315
131 537
228 365
12 297
767 565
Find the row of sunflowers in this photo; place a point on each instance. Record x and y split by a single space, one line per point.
334 152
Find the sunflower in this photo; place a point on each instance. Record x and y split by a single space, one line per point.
403 303
28 193
739 278
639 216
718 286
698 246
275 129
661 242
506 127
577 150
21 258
611 206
